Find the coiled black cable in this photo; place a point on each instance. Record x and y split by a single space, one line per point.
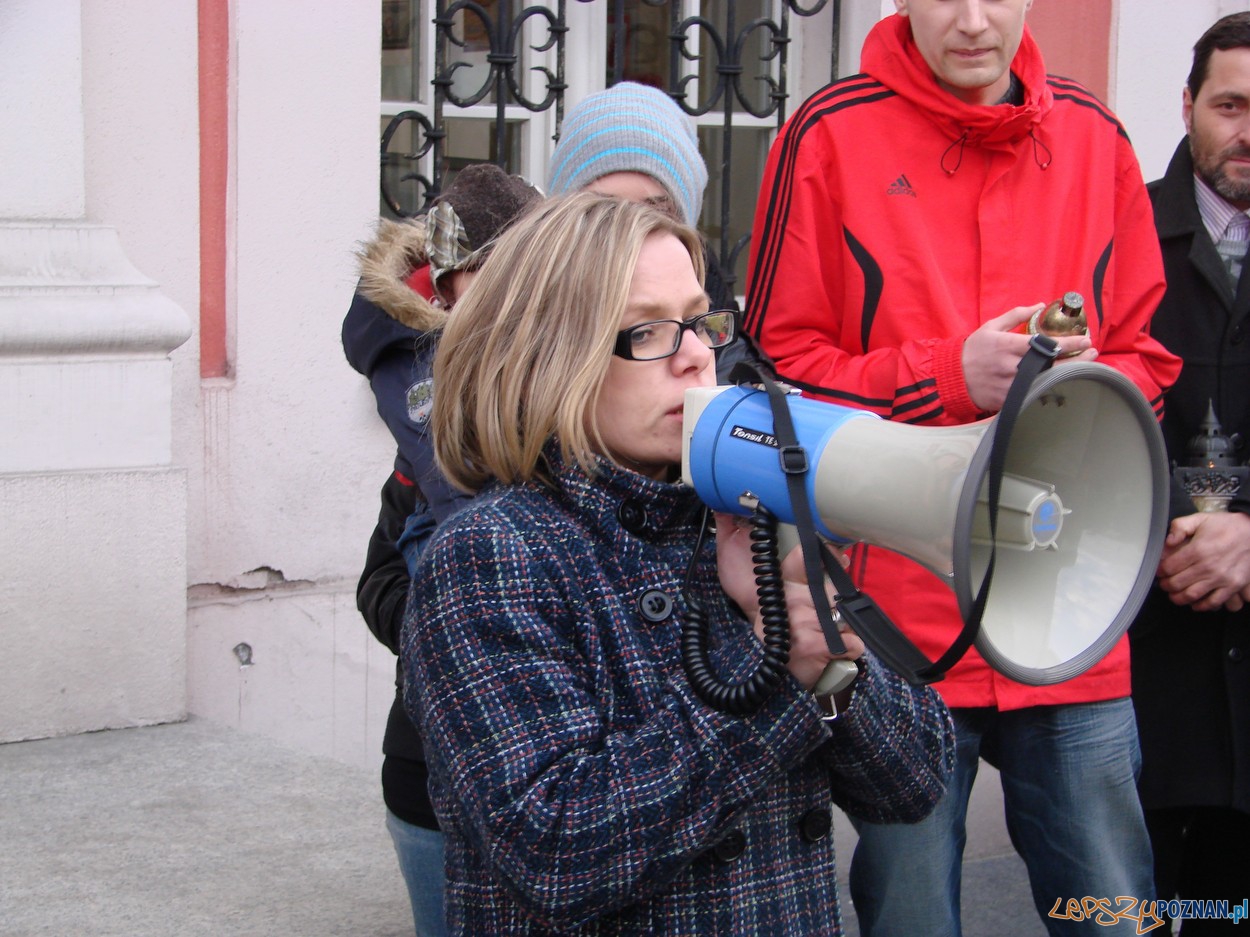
742 699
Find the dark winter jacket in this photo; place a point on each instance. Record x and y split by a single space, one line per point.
389 335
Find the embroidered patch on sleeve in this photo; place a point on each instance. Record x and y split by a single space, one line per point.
421 400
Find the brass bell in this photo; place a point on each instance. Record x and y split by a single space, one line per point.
1062 317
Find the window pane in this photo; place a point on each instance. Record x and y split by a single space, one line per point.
473 141
758 44
401 50
401 172
747 154
640 40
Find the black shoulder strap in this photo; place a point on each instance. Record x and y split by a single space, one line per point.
794 466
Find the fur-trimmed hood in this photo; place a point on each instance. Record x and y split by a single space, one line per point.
386 262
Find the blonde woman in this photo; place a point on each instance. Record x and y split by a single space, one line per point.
583 785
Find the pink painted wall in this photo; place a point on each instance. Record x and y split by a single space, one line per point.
1075 36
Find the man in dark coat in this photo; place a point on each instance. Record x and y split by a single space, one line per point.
1191 675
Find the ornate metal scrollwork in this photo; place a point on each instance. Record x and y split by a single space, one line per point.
503 57
503 32
498 29
728 92
392 163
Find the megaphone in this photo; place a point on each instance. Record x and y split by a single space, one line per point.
1080 520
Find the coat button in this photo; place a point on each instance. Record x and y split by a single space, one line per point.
1235 338
730 846
816 824
633 516
655 605
1235 655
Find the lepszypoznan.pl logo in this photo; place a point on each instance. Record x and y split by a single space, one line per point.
1149 914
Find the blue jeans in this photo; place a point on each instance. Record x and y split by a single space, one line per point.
1069 778
420 853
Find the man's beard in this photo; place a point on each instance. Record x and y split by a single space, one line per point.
1211 169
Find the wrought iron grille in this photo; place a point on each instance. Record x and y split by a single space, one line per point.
741 68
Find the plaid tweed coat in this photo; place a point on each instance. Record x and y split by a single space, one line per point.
583 786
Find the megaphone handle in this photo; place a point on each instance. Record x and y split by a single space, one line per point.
874 627
838 675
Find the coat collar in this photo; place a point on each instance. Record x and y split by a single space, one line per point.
1176 207
1177 217
387 263
615 497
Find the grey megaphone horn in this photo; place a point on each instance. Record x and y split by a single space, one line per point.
1080 519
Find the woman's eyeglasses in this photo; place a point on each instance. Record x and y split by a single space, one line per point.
649 341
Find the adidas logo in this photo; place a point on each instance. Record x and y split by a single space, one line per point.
901 186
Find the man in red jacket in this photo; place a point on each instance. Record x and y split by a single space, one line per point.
911 219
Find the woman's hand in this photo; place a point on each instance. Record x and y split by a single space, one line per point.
809 653
735 563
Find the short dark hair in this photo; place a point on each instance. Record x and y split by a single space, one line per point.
1229 32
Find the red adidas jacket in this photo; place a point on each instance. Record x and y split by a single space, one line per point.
894 219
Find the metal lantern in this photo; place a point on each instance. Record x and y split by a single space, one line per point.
1211 477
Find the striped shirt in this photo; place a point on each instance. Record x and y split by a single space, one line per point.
1215 210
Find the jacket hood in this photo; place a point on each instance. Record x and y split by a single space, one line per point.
386 263
891 56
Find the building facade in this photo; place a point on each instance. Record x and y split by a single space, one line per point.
188 467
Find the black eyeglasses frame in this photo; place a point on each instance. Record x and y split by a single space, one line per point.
622 347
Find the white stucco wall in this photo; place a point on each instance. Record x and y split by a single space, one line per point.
292 453
276 468
141 120
1153 52
307 455
278 441
91 604
41 157
92 543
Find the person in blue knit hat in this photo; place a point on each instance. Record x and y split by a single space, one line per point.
634 142
628 131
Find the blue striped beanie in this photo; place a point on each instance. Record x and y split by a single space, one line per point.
631 128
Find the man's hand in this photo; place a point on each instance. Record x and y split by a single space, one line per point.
993 352
1206 561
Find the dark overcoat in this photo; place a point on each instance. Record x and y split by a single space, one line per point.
1191 675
